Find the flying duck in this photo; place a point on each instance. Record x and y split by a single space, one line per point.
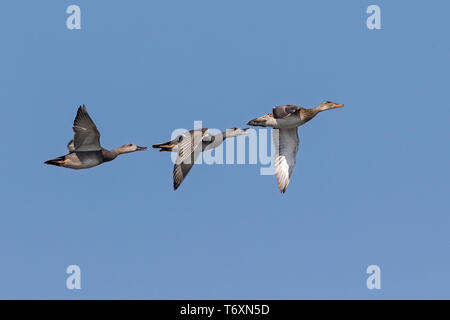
85 150
287 119
189 145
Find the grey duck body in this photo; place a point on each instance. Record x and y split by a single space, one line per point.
85 150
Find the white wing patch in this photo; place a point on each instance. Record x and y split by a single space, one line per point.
188 151
286 143
189 147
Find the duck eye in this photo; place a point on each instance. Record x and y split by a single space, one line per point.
180 138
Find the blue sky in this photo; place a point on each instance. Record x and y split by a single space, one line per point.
370 186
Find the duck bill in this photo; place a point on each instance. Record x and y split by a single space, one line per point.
166 146
337 105
141 148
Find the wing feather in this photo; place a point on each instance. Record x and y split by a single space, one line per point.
284 111
189 149
86 137
71 146
286 143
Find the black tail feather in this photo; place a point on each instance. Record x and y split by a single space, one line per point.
56 162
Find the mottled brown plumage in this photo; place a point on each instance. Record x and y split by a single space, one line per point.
190 145
285 120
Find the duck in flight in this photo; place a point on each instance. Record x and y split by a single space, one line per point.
85 150
189 145
287 119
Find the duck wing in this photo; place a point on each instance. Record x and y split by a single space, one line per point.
71 146
284 111
86 137
286 143
189 149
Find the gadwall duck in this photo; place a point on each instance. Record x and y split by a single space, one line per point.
287 119
85 150
189 145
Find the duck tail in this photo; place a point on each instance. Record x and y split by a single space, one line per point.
260 122
56 162
166 146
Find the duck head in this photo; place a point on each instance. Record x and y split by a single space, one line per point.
328 105
233 132
130 147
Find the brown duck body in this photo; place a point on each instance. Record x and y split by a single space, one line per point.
297 117
190 145
286 119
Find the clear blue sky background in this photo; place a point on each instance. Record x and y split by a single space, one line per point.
370 186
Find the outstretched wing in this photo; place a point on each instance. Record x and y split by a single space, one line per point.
87 137
284 111
189 149
286 143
